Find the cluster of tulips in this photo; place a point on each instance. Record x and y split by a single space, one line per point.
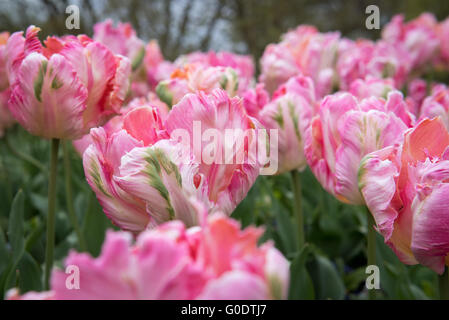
337 106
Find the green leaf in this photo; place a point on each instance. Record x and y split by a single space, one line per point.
16 238
30 274
15 228
327 282
301 286
4 255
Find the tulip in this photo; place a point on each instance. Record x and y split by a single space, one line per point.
405 188
194 78
364 58
302 51
6 119
60 91
217 261
142 175
65 88
243 65
369 87
121 40
418 37
290 112
437 105
344 131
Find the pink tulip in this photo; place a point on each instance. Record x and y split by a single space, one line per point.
143 178
194 78
302 51
157 68
217 261
417 91
242 64
255 99
122 40
6 119
290 112
437 105
418 37
64 88
344 131
443 34
369 87
116 123
4 83
406 188
364 58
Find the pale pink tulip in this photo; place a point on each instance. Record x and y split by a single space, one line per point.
194 78
157 68
302 51
290 112
364 58
371 87
6 119
443 34
121 39
242 64
66 87
344 131
437 105
255 99
419 37
217 261
143 178
406 190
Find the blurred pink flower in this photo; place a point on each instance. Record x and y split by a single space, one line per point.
192 78
122 40
406 188
242 64
344 131
65 88
437 105
157 68
217 261
371 87
302 51
418 37
6 119
364 58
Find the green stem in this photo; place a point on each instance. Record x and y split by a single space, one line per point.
69 197
25 157
443 284
371 239
51 211
297 194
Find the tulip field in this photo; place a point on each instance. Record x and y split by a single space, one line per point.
319 171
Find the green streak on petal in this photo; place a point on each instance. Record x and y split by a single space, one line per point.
137 61
56 83
158 161
40 81
95 174
278 117
291 109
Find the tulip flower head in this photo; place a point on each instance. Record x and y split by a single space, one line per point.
65 87
344 131
217 261
143 175
406 188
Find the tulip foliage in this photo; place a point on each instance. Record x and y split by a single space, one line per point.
198 179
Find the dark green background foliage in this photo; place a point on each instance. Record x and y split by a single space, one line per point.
331 265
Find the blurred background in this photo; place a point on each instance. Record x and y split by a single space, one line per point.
235 25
